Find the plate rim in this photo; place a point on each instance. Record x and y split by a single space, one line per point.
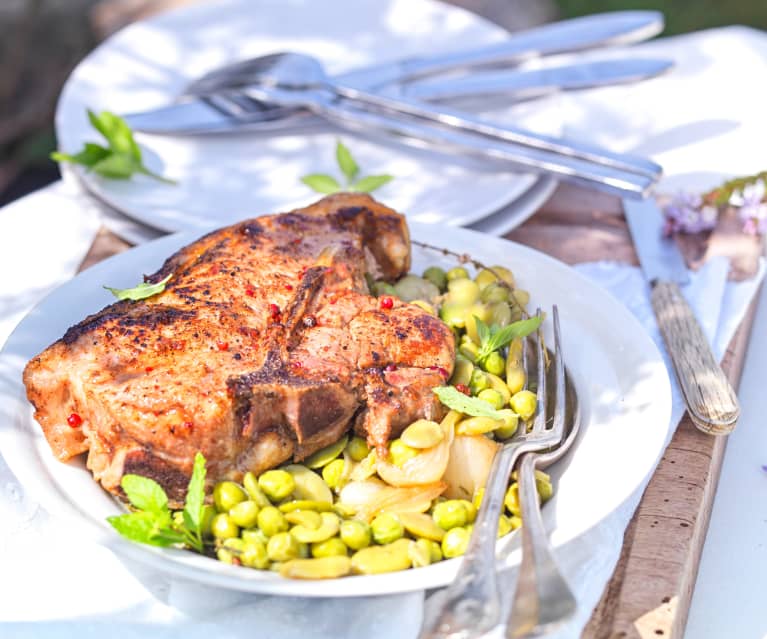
183 564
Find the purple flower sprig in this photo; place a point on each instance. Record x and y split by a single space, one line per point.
688 213
751 206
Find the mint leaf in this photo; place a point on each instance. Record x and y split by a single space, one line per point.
483 331
371 183
455 399
140 291
90 155
145 494
322 183
346 161
500 337
195 496
139 526
117 166
117 132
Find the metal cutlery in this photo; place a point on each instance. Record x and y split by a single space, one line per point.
293 79
471 604
196 116
711 400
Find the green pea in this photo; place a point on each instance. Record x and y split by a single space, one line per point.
457 273
504 526
454 542
479 382
511 499
357 448
227 494
355 534
253 535
254 492
272 521
492 397
333 473
450 514
462 291
386 528
436 276
494 292
400 452
332 547
524 404
276 484
230 551
223 527
254 555
495 363
244 514
283 547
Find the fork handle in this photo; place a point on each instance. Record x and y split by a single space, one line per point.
542 599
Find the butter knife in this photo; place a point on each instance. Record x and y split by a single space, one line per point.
708 394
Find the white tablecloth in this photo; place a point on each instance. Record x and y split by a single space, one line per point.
71 587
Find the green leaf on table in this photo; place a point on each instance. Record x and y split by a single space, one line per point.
346 161
322 183
140 291
451 397
145 494
121 160
494 338
371 183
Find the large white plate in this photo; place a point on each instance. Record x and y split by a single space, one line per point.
227 177
620 377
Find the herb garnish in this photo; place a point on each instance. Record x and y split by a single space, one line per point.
327 184
493 338
152 522
140 291
455 399
120 160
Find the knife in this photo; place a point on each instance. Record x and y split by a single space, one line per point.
197 115
711 400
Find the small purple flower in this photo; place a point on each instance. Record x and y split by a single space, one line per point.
686 213
752 209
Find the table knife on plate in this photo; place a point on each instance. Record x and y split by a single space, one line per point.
710 399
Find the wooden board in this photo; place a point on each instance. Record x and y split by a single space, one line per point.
650 591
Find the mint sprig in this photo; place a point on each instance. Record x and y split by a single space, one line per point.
152 522
327 184
451 397
120 160
493 338
140 291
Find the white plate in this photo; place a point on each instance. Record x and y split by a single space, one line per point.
620 377
227 177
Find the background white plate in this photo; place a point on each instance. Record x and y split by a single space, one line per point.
227 177
620 377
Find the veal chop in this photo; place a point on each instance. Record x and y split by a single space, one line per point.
265 345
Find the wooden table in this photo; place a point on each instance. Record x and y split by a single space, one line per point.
650 591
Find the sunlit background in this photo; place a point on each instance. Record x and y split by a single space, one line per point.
42 40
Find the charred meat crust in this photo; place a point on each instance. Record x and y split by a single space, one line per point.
264 345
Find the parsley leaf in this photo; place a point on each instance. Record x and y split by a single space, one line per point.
120 160
140 291
327 184
493 338
145 494
455 399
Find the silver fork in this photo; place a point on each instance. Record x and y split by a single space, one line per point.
542 599
471 604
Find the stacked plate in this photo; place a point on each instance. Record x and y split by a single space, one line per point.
227 177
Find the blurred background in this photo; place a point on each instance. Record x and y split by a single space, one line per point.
42 40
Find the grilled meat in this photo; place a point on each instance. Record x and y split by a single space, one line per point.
264 346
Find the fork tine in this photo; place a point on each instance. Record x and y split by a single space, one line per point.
541 411
558 426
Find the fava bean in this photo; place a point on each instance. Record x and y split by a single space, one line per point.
276 484
462 371
412 287
355 534
357 448
329 548
326 455
310 519
422 433
421 525
479 382
462 291
523 403
244 514
321 568
333 473
455 542
382 288
229 552
308 484
420 553
453 314
425 306
386 528
492 397
495 364
226 494
379 559
272 521
254 492
254 555
283 547
400 452
328 529
495 292
511 499
223 527
450 514
457 273
437 277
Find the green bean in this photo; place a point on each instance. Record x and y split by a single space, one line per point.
386 528
437 277
226 494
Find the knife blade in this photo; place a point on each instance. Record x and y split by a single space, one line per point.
709 396
197 115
